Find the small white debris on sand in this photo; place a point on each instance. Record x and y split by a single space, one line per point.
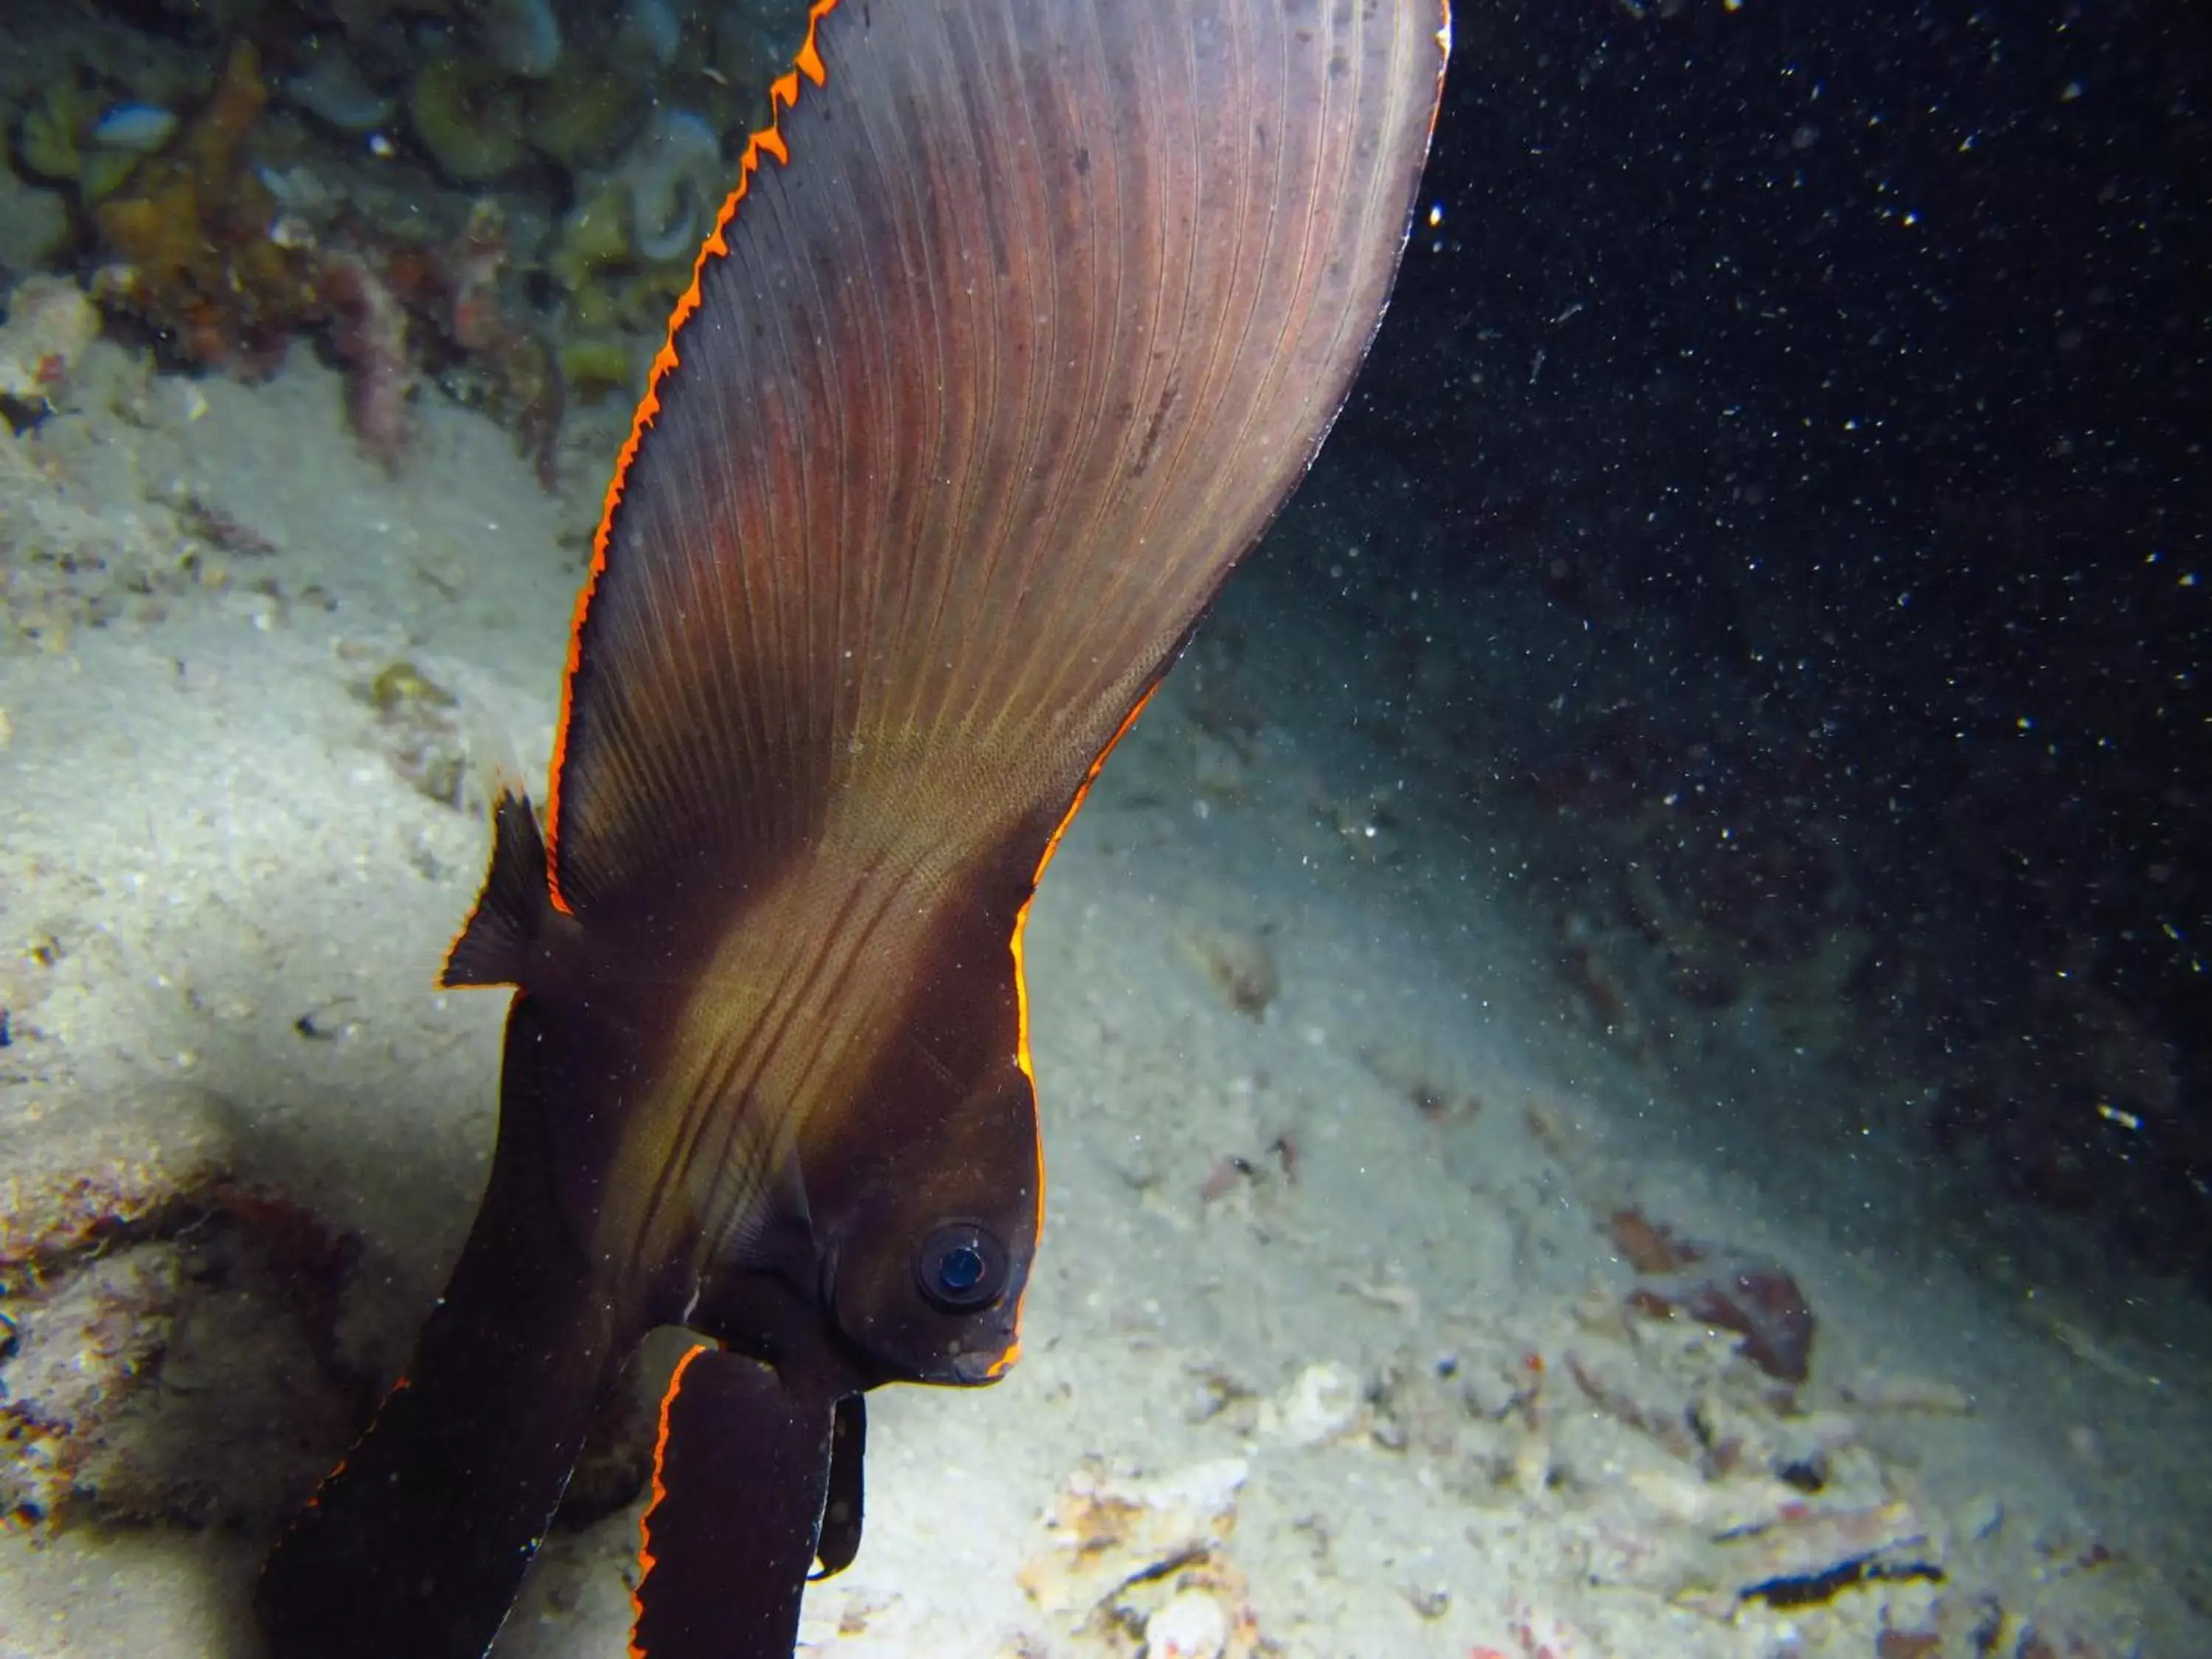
1322 1403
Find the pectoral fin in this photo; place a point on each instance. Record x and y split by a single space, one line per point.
417 1543
841 1509
741 1477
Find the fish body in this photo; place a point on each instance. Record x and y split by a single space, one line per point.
1023 321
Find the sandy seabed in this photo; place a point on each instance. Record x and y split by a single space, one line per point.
1327 1352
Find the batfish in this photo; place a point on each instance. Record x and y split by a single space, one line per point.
1022 320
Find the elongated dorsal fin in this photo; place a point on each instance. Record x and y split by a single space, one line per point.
972 405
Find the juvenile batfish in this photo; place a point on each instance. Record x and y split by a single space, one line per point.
976 395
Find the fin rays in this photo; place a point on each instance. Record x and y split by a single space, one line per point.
996 378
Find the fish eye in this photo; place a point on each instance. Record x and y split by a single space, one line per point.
961 1268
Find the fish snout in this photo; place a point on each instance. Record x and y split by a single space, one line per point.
987 1350
975 1367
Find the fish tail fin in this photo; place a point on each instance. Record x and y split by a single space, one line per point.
495 944
417 1543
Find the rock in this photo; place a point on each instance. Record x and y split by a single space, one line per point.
1128 1555
1190 1625
1242 966
49 323
1982 1517
1106 1534
79 1353
1891 1391
1798 1553
1758 1300
1322 1403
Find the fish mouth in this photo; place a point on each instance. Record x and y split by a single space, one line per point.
974 1370
989 1353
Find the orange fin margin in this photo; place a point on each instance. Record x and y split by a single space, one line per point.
740 1470
906 545
783 95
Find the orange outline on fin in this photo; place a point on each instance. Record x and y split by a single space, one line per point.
645 1559
315 1498
1022 984
783 95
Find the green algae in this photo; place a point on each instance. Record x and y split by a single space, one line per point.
584 114
593 366
469 116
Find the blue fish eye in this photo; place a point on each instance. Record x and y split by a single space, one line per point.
961 1268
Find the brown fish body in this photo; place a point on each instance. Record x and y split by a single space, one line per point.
732 1033
723 1066
976 396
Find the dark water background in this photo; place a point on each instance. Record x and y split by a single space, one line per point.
1819 393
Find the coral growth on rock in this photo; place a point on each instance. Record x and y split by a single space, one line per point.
470 118
469 336
138 1298
243 188
369 329
196 243
1149 1556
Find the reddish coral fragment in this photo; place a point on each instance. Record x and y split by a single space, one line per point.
1651 1246
1227 1172
369 329
1757 1300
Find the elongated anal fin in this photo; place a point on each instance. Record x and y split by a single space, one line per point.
415 1544
495 944
740 1477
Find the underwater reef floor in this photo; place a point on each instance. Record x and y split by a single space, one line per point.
1385 1306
